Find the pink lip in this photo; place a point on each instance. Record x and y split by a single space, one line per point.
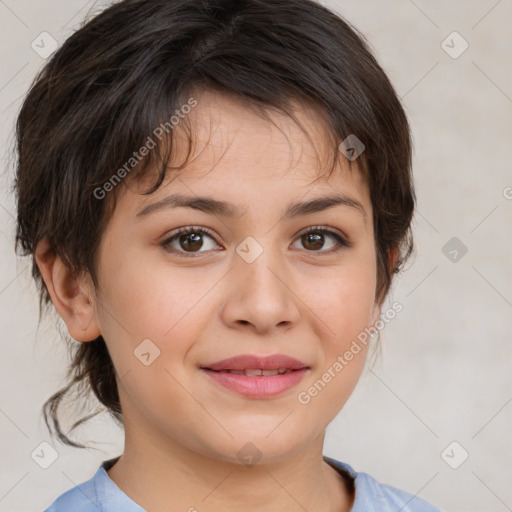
245 361
259 386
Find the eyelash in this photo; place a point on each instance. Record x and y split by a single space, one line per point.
343 243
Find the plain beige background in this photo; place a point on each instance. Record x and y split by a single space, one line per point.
445 373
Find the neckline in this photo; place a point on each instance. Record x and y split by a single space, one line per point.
343 469
347 473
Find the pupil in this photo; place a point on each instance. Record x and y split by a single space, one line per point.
315 239
190 240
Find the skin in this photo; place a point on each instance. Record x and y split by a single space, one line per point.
180 426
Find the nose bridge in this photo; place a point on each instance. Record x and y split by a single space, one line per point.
259 260
259 293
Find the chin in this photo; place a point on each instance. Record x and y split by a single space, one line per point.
255 447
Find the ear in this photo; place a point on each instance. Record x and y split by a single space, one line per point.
375 313
70 296
393 256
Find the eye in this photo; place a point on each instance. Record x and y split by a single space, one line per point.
314 240
188 240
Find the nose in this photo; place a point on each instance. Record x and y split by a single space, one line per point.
260 295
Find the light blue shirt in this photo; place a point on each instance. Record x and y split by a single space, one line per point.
101 494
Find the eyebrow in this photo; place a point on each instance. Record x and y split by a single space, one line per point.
225 209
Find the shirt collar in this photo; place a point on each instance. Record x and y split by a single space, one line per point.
113 498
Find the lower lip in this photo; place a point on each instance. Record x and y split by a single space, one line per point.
259 386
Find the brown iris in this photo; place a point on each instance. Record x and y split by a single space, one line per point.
192 241
313 240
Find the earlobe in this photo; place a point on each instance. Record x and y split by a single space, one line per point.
392 260
69 296
375 314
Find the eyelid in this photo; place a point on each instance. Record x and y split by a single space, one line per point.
185 230
328 230
342 241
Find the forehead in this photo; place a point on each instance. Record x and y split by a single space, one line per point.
232 151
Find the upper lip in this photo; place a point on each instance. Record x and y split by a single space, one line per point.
245 361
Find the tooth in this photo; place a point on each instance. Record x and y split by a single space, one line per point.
237 372
252 372
282 370
269 372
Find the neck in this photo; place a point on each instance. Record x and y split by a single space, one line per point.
154 477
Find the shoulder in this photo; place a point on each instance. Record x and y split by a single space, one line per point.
99 494
372 496
394 499
81 498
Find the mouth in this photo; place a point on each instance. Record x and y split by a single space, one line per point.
256 372
256 364
257 376
256 383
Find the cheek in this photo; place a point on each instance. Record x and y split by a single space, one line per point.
345 308
344 303
149 320
143 300
345 299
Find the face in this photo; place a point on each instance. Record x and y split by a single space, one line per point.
170 305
